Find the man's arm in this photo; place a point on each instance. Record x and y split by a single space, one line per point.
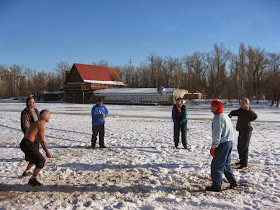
252 115
185 116
95 113
25 122
41 134
233 113
106 112
216 132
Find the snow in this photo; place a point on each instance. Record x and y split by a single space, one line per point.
139 169
104 82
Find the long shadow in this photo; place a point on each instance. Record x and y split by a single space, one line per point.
54 137
98 167
49 146
9 147
67 131
11 160
5 126
87 188
81 147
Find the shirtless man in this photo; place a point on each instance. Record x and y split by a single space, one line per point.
32 154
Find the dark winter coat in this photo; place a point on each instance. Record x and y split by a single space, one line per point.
244 119
179 118
27 118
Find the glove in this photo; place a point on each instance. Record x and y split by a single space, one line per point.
212 152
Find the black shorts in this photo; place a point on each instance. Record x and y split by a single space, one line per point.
32 153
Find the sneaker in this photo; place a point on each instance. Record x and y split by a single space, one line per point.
102 147
238 163
188 147
34 182
233 185
213 188
26 173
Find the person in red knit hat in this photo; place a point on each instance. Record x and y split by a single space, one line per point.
222 136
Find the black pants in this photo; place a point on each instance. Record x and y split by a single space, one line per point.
243 146
32 154
99 129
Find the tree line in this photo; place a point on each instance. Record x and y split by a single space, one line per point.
252 73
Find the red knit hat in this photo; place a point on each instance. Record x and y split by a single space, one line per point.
217 103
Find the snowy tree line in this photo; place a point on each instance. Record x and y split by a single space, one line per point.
252 72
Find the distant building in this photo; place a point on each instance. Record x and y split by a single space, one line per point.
83 79
142 95
55 96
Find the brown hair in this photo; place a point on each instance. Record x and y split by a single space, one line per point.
28 99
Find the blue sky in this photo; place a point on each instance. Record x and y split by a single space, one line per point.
41 33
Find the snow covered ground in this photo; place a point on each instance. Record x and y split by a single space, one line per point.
139 169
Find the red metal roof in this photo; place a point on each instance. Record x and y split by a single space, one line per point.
101 73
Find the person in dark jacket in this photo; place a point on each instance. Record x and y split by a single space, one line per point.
98 112
245 116
179 117
29 115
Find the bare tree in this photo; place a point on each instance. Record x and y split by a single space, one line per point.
62 68
195 71
273 78
101 63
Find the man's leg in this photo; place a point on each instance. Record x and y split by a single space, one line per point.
40 162
176 134
239 145
228 170
36 172
218 165
94 135
101 136
27 170
246 136
33 181
184 134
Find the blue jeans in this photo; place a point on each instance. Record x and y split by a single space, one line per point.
221 164
243 147
183 128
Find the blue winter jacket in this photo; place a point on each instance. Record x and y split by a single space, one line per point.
179 119
222 130
96 112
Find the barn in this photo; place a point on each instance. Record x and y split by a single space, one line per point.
83 79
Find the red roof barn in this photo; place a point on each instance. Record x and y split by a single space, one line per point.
83 79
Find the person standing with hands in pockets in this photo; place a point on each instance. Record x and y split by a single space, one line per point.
98 112
179 117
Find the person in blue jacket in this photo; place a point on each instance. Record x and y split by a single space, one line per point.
222 137
98 112
179 117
